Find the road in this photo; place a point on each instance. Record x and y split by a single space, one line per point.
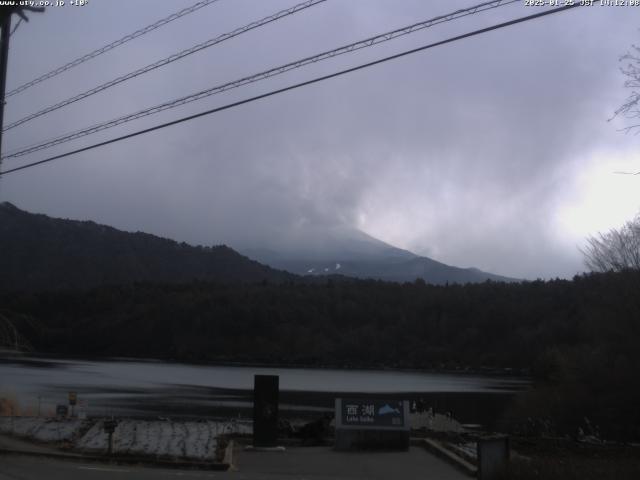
323 463
23 467
294 464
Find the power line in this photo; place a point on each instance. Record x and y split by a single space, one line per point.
111 46
6 15
368 42
166 61
13 30
295 86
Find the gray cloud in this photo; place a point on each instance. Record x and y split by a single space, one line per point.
464 153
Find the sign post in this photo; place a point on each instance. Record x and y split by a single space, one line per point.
265 410
372 423
82 409
109 428
73 399
62 411
493 457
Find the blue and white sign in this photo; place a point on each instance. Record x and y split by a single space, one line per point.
372 412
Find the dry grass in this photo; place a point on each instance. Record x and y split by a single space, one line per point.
575 468
568 460
8 405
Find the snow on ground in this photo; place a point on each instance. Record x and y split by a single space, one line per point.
468 450
187 439
434 421
42 429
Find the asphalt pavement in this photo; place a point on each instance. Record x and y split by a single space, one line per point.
323 463
308 463
8 442
23 467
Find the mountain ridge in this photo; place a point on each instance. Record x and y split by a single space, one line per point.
375 259
41 252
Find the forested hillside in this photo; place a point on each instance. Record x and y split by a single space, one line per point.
343 322
42 253
578 338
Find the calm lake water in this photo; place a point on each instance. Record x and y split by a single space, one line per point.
151 388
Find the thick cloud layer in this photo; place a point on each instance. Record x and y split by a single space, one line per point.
491 152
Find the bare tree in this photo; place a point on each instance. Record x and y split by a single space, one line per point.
631 69
617 250
10 337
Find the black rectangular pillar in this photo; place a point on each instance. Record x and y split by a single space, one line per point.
265 410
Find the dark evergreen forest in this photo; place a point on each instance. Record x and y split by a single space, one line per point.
577 338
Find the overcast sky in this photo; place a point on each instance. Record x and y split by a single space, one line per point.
493 152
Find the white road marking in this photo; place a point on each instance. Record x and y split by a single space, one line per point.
102 469
187 474
184 474
163 473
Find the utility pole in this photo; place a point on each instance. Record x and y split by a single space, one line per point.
4 57
5 19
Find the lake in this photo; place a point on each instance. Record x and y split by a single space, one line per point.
153 388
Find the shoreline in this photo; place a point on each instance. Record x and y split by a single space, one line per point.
521 374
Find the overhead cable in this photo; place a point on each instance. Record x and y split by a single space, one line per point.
110 46
166 61
295 86
368 42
